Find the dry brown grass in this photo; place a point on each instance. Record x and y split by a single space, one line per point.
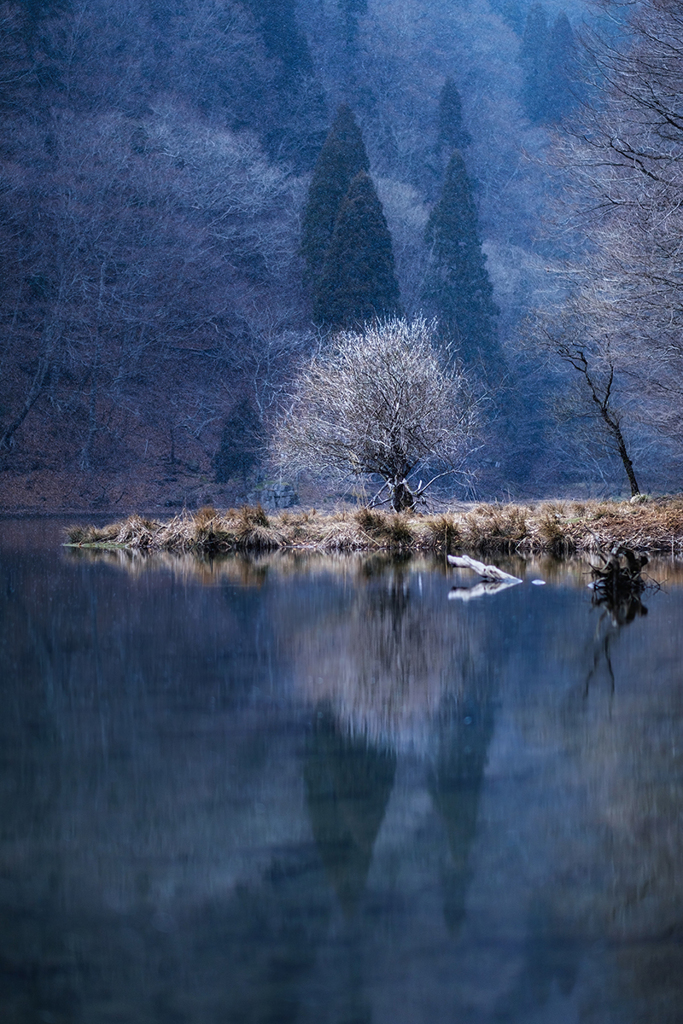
496 527
555 527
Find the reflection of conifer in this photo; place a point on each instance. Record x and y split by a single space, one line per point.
552 957
358 283
341 158
348 785
450 131
264 940
458 286
455 787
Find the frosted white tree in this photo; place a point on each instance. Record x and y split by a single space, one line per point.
380 403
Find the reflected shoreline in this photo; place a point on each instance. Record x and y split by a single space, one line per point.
250 569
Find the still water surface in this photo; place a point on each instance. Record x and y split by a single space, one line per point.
317 791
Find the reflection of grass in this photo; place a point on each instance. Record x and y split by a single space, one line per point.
555 527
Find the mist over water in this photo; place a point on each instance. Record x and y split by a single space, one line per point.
316 790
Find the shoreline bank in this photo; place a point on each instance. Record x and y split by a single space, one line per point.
554 527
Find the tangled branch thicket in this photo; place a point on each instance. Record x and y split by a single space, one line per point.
379 402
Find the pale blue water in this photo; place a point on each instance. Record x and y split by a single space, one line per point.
319 791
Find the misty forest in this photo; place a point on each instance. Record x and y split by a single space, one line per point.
197 195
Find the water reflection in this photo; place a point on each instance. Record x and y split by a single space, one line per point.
321 793
619 607
551 963
455 783
384 666
348 785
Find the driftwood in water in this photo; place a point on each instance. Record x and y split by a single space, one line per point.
487 572
618 584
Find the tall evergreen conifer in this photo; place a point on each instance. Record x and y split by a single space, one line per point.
549 59
562 71
450 131
533 57
358 282
458 288
351 11
341 158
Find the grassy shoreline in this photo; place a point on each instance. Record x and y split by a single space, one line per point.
557 527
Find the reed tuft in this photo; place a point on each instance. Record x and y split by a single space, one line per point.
444 533
552 530
496 527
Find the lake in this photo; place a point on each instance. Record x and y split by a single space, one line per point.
317 790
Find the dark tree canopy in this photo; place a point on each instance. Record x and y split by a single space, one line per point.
458 287
562 70
351 10
281 35
240 444
450 130
533 56
358 283
341 158
549 59
295 128
511 13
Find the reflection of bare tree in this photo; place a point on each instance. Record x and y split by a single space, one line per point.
611 620
618 589
616 873
384 666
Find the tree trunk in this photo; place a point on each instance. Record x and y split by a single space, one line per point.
613 425
32 397
628 465
402 498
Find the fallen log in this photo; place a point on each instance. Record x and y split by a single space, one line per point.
487 572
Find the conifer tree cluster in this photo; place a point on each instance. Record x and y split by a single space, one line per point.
450 130
345 239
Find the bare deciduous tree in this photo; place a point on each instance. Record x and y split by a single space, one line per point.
380 403
623 166
601 399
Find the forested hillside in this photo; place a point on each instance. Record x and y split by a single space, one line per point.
158 178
